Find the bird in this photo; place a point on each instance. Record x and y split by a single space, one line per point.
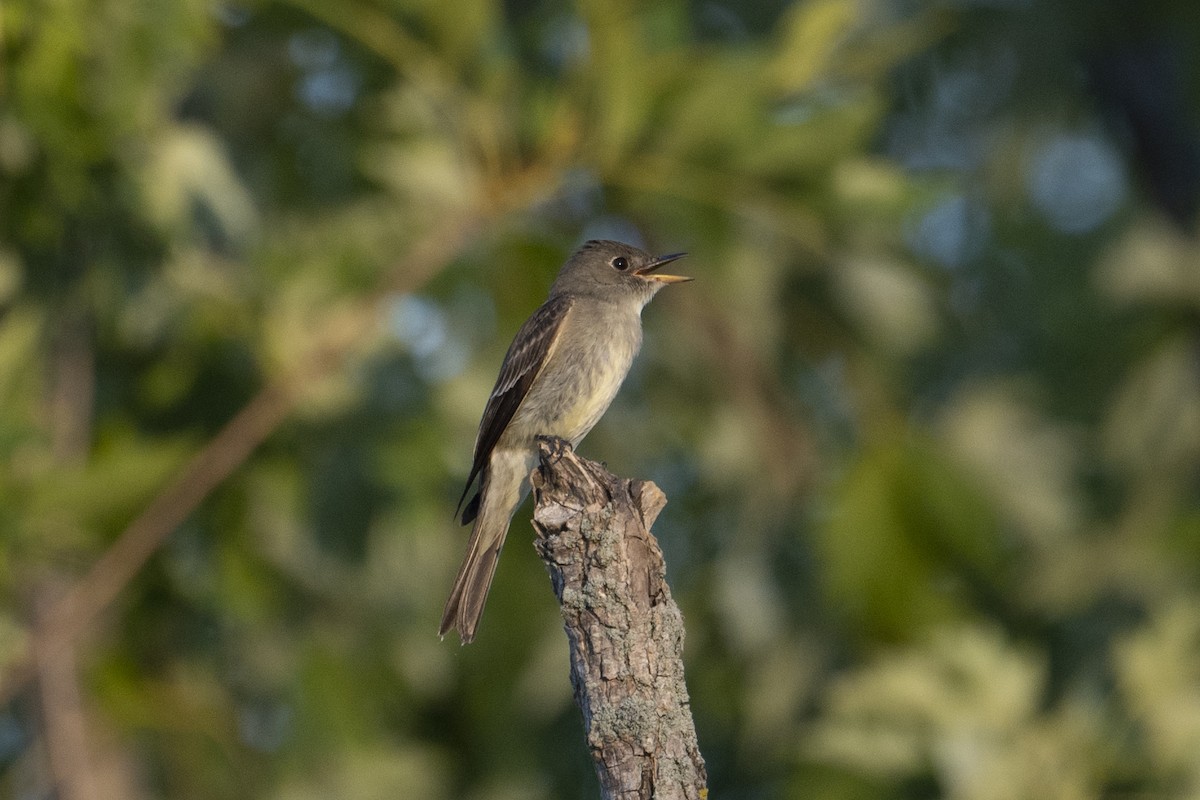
559 376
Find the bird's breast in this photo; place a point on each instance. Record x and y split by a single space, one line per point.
583 375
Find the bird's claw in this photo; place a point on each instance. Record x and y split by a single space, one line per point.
554 447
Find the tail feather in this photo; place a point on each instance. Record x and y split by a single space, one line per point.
505 484
470 591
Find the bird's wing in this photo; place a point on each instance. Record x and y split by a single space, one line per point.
526 356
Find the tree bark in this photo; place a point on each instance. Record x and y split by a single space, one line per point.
624 630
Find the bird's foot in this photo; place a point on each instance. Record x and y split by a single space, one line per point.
553 447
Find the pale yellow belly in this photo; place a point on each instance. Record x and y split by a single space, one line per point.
579 418
578 384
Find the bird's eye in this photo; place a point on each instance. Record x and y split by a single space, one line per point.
621 263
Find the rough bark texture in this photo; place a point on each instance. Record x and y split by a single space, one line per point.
624 630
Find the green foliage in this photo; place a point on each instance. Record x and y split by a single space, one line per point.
929 418
905 540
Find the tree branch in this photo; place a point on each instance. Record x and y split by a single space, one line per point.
624 630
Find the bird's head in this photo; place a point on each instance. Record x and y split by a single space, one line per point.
615 269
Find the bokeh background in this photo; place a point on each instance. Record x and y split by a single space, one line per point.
928 419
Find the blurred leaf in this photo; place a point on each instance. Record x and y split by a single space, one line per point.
890 303
21 330
810 34
430 169
306 323
83 507
1153 427
715 118
623 76
464 32
189 185
10 275
905 541
965 705
1152 263
1158 677
14 640
373 774
1027 463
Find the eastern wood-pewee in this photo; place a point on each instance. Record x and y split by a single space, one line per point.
558 378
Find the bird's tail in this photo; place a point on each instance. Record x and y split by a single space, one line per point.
474 579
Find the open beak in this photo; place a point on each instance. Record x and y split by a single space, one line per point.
649 271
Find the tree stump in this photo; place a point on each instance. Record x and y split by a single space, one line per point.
624 630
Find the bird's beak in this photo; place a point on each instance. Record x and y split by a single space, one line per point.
648 271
